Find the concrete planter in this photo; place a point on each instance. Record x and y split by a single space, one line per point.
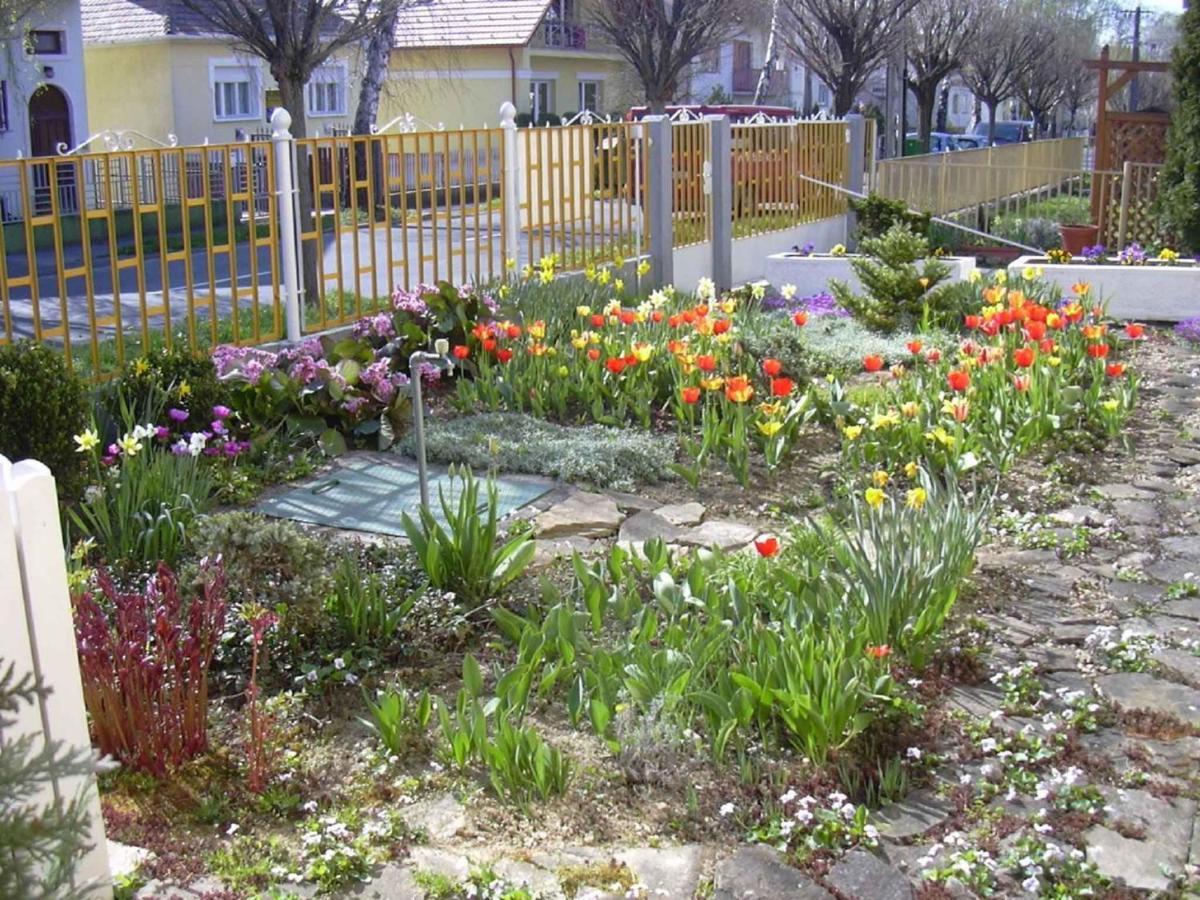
812 274
1154 292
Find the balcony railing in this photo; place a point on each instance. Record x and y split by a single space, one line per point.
565 36
745 81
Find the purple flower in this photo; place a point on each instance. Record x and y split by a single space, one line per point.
162 432
177 415
113 450
218 427
222 412
1095 253
253 371
1133 255
1189 330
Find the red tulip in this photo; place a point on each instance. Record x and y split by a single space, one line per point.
461 351
933 355
782 387
881 651
914 347
489 345
973 322
721 326
767 547
514 331
689 395
504 354
1134 331
1046 346
1114 370
1035 331
1023 357
800 317
627 316
771 367
873 363
593 354
657 316
1097 351
616 365
598 321
958 380
706 363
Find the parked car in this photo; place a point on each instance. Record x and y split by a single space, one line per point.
942 142
735 112
1012 132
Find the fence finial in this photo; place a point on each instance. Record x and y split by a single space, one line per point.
281 122
508 115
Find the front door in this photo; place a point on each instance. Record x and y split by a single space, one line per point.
49 129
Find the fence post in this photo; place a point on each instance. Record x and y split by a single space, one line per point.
39 639
660 199
289 237
721 180
510 190
856 138
1123 221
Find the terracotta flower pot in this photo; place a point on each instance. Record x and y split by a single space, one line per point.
1076 237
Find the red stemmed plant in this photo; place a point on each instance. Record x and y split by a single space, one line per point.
144 657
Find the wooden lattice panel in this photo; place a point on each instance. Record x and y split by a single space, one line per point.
1140 140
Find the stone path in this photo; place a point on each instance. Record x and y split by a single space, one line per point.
1108 637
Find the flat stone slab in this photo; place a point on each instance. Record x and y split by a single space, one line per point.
539 882
582 515
675 871
546 552
759 873
682 513
1139 512
720 534
1123 491
440 862
1182 664
646 526
1079 515
1143 863
124 859
1182 609
1186 545
392 882
440 818
1185 456
1139 690
862 874
914 815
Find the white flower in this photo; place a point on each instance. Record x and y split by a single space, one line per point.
233 828
788 291
913 753
726 810
1031 884
339 664
988 745
705 289
788 797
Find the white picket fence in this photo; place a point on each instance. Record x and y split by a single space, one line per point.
37 635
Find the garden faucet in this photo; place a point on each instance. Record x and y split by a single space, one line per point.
440 359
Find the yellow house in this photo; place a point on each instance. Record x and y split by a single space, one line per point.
456 61
156 68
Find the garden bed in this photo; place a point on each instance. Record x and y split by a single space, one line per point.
812 273
1152 291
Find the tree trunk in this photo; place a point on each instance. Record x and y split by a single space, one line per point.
991 132
926 94
378 53
291 92
843 98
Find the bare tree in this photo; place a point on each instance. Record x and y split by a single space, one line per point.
936 34
844 41
661 38
294 37
378 53
1001 53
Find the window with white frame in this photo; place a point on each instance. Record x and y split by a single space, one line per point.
589 96
327 91
235 92
541 97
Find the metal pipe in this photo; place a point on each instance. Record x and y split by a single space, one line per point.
438 358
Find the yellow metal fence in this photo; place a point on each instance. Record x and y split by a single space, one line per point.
769 159
108 255
111 253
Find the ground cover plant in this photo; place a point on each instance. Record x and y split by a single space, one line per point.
781 693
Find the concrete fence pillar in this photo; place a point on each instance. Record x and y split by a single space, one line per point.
660 198
856 138
288 202
721 180
510 189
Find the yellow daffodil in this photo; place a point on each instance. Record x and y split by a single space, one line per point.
1167 255
583 311
883 421
911 469
940 435
852 432
130 445
527 271
758 290
87 441
875 497
728 305
619 286
510 265
141 366
916 497
184 389
880 478
788 291
643 268
975 276
837 250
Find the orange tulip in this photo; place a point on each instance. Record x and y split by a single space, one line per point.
767 547
958 380
873 363
771 367
689 395
1023 357
800 317
781 387
738 389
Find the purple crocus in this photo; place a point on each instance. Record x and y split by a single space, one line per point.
177 415
222 412
162 432
1095 253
